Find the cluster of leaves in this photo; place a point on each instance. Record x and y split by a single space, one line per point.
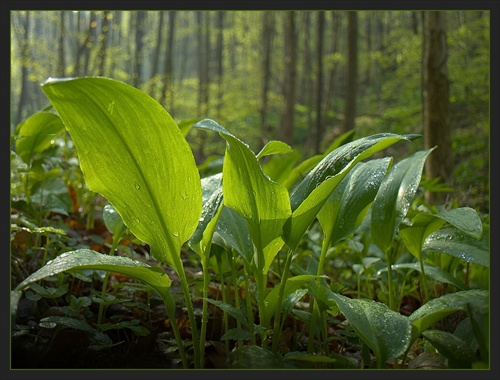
269 227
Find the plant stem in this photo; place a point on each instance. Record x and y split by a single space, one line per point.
389 279
191 316
114 245
277 314
204 314
248 299
315 308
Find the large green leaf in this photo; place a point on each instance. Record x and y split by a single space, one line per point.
453 242
88 259
422 225
132 152
36 134
438 308
346 207
430 271
385 331
394 198
457 352
312 193
262 202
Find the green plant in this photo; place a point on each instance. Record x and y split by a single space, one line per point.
243 224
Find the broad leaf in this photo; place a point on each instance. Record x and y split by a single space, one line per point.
438 308
36 134
87 259
431 271
274 147
201 239
454 349
346 207
312 193
132 152
414 235
262 202
422 225
394 198
454 242
385 331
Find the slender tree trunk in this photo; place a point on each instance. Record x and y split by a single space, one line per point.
437 127
101 66
155 74
25 53
333 68
62 63
267 40
319 82
201 62
139 46
166 95
219 61
352 72
287 118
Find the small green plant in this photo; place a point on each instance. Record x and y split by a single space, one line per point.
247 223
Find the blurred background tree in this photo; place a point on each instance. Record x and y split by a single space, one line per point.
299 76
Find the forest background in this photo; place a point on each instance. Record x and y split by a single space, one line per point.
303 77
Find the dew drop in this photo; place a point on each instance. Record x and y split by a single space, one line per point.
137 186
175 233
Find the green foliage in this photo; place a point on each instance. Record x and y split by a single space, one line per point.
278 241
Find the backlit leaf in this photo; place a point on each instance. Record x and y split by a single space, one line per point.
132 152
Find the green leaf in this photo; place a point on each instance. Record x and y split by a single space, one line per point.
346 207
385 331
280 167
466 220
422 226
212 204
274 147
113 220
36 134
454 349
263 203
454 242
132 152
237 334
314 190
394 198
93 334
438 308
233 230
88 259
231 310
271 301
431 271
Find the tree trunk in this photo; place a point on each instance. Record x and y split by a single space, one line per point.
437 127
60 47
155 73
286 130
267 41
166 98
25 53
105 25
202 30
219 61
352 72
319 82
333 68
139 45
